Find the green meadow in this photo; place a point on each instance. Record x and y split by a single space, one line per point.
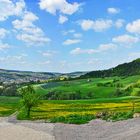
8 105
51 109
96 95
96 87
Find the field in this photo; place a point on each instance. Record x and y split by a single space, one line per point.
96 95
8 105
53 110
89 88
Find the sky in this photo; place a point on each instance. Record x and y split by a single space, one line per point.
68 35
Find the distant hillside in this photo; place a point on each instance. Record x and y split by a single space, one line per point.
126 69
26 76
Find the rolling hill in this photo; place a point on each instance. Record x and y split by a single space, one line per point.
26 76
126 69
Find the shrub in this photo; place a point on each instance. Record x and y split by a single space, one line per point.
73 119
118 116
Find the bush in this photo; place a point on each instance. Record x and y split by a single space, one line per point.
136 92
73 119
118 116
119 93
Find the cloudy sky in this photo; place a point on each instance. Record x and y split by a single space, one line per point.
68 35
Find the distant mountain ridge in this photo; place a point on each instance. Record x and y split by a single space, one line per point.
126 69
26 76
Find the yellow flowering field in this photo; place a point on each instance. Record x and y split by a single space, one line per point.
51 109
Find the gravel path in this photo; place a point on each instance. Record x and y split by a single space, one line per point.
10 129
99 130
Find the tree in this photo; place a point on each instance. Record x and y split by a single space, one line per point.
29 98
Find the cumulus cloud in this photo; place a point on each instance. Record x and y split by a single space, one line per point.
105 47
71 41
134 27
119 23
28 31
77 51
3 33
101 48
4 46
113 10
45 62
125 39
97 25
62 19
48 53
62 6
14 60
10 8
77 35
68 32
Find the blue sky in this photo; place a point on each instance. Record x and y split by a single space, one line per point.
68 35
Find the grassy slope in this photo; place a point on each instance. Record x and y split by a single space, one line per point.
50 109
85 87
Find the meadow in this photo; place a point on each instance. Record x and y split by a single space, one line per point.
8 105
92 88
102 99
53 111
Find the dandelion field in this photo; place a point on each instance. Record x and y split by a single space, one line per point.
51 109
8 105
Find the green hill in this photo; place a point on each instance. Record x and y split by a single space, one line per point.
126 69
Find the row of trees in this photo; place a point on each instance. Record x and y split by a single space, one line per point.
8 90
67 96
110 84
126 69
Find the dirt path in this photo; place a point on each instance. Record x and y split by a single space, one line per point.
10 129
99 130
25 130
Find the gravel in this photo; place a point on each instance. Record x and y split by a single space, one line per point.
95 130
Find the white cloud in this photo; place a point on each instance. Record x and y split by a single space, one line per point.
105 47
119 23
77 35
113 10
71 41
97 25
28 31
125 39
33 39
62 6
3 33
62 19
68 32
45 62
134 27
48 53
26 22
14 60
77 51
101 48
10 8
3 46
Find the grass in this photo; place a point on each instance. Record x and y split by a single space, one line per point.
79 111
8 105
63 111
86 87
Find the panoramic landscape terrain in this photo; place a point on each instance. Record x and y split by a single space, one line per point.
69 70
